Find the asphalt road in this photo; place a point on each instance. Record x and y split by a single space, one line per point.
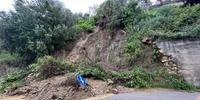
159 95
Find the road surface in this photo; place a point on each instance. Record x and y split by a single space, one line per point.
155 95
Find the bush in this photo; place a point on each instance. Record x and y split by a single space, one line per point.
13 80
48 66
174 22
165 22
132 13
177 82
135 78
140 78
85 25
95 72
88 70
110 14
7 57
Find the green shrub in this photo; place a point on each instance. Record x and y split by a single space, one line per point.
132 13
135 78
85 25
7 57
138 77
174 22
141 78
177 82
48 66
192 31
111 14
13 80
165 22
95 72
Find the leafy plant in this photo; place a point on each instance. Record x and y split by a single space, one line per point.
140 78
37 28
7 57
85 25
135 78
48 66
110 14
95 72
13 80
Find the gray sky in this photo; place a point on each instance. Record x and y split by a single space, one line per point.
73 5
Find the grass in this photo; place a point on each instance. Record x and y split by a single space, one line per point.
48 66
166 22
45 67
139 77
6 56
13 80
174 22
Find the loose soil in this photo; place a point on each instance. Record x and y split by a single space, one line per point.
60 87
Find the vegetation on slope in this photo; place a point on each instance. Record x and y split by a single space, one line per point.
37 28
13 80
165 22
42 27
7 56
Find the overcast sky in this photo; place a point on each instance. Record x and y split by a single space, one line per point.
74 5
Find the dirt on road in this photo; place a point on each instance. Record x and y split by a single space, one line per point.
61 87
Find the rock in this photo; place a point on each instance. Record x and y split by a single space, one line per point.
164 59
171 63
54 97
115 91
166 64
107 91
174 65
154 43
60 98
20 91
29 79
110 81
147 40
175 68
161 51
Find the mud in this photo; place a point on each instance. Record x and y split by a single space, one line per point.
61 87
103 47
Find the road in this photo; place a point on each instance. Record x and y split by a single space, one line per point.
152 94
155 95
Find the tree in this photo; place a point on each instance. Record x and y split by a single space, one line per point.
37 27
110 13
132 13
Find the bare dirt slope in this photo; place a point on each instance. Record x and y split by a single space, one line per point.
101 46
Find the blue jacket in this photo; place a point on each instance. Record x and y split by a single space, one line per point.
81 80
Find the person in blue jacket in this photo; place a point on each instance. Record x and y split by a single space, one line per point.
82 81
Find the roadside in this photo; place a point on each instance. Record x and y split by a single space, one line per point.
155 94
12 98
134 94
